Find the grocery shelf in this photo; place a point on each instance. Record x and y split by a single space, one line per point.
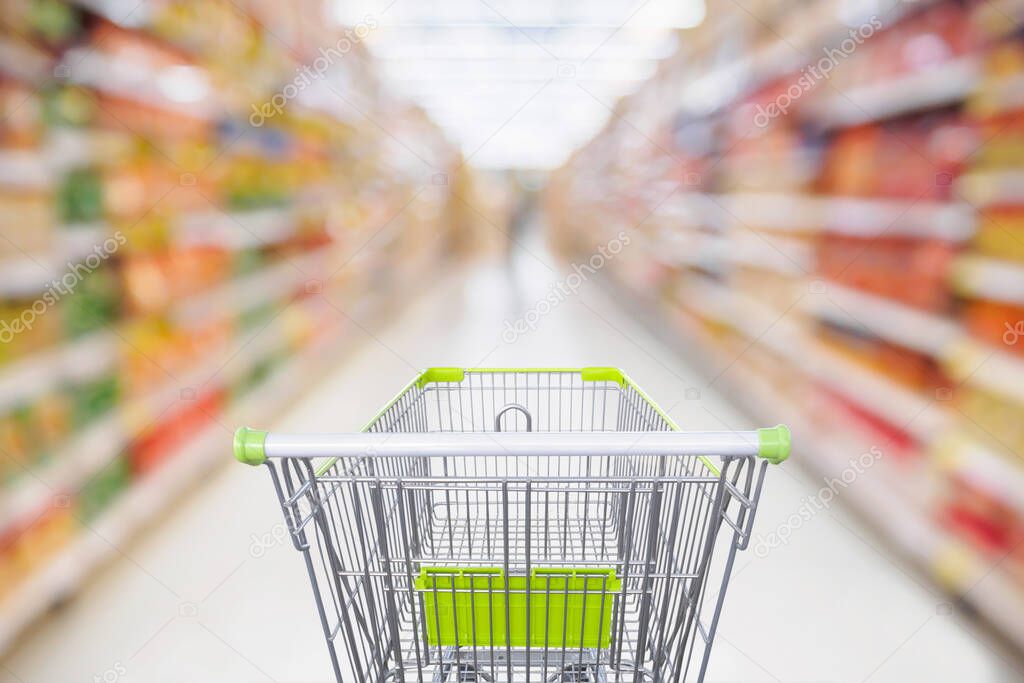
789 213
46 369
798 214
1001 17
25 169
781 255
989 278
130 102
695 208
951 221
977 363
717 276
38 168
20 60
87 453
900 406
142 504
236 230
902 516
922 416
986 187
38 373
1003 94
25 274
950 562
927 89
84 454
780 56
975 459
884 318
191 94
249 292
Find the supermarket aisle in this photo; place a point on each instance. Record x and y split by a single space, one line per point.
216 593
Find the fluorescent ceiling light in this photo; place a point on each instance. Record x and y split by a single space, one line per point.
478 66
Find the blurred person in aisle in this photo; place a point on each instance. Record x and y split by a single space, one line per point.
524 214
524 193
522 206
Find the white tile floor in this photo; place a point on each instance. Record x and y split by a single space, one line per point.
215 593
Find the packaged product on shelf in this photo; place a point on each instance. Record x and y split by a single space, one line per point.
988 523
80 196
21 116
10 575
27 221
164 439
92 399
913 271
842 413
95 304
767 152
173 101
995 414
909 368
49 22
23 330
51 420
777 291
999 324
1001 232
32 544
102 488
152 280
155 350
15 446
915 158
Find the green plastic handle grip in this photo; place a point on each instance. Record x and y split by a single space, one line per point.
774 443
249 446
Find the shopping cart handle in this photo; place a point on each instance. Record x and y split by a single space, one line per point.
774 443
253 447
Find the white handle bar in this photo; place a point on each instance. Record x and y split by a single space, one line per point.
254 447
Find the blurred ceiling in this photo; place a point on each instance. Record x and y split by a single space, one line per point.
519 83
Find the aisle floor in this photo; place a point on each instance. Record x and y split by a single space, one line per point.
215 592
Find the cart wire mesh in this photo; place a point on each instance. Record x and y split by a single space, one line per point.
519 568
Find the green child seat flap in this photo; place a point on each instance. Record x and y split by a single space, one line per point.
568 607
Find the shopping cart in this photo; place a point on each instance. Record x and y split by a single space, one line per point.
518 525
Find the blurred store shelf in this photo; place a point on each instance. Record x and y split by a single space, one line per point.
43 371
150 497
168 263
990 278
25 274
898 96
875 315
867 286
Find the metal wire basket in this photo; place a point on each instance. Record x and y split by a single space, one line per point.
518 525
